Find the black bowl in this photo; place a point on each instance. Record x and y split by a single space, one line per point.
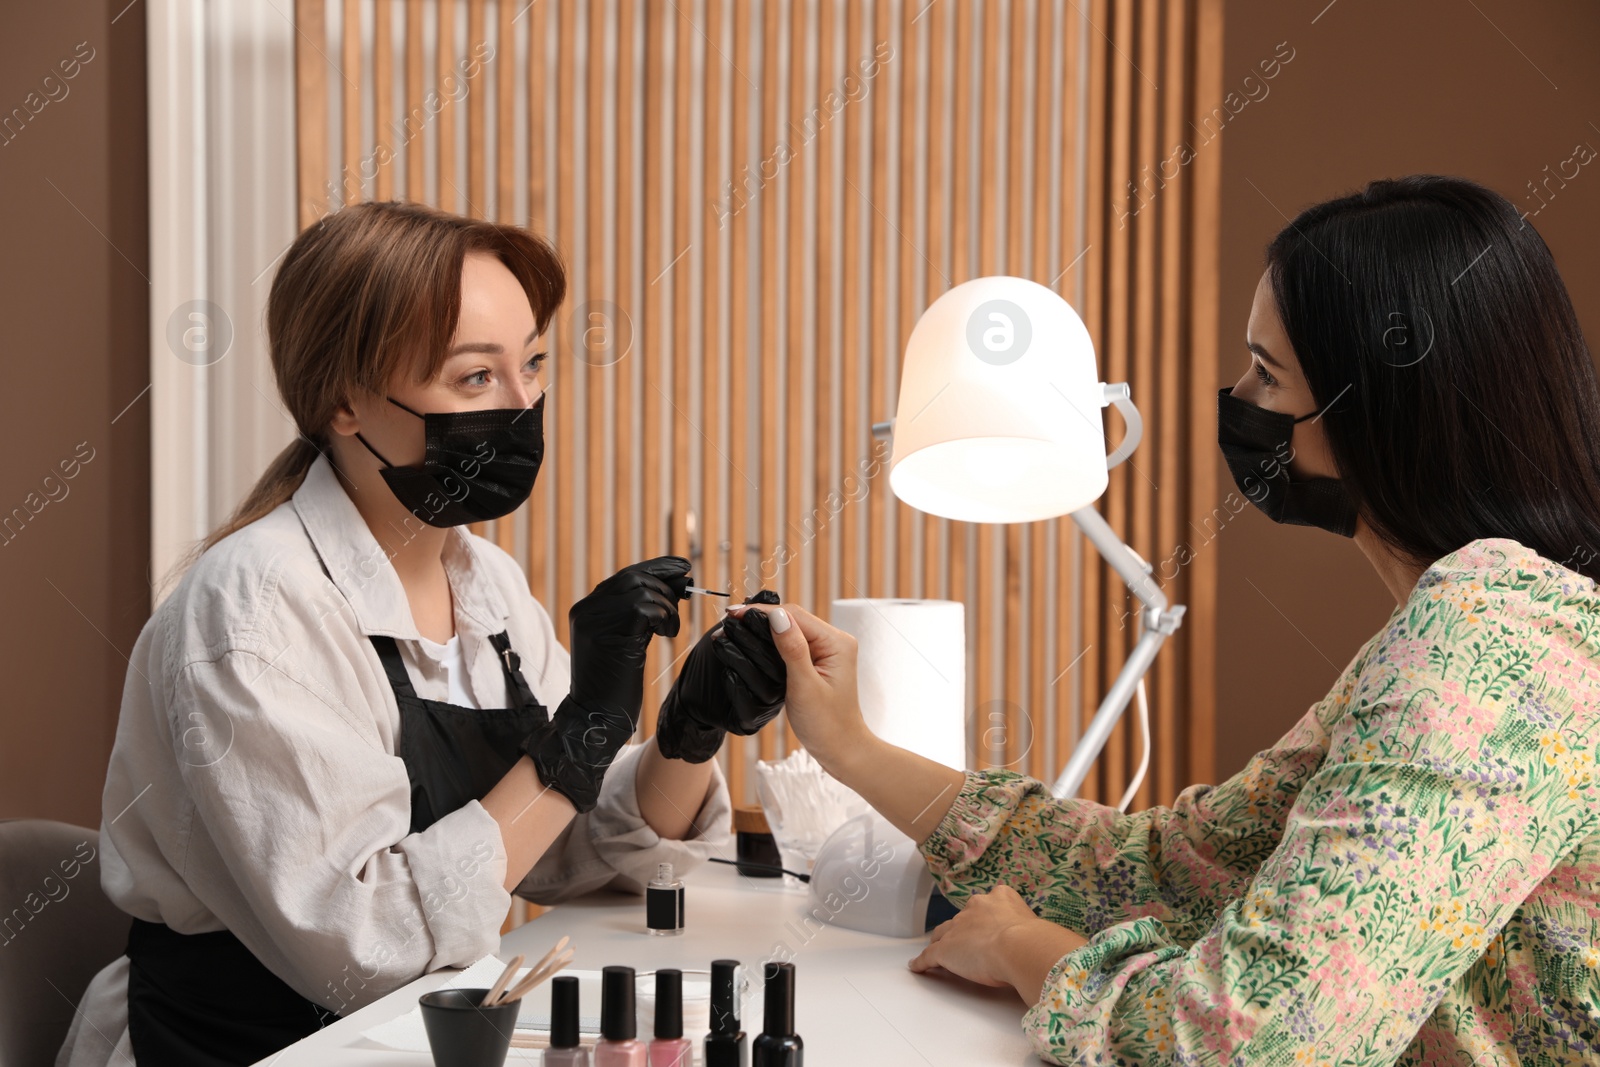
464 1034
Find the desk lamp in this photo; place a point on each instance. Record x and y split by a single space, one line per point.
999 421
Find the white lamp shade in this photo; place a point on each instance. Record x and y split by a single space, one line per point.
999 414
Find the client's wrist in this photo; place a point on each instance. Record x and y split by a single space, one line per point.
847 754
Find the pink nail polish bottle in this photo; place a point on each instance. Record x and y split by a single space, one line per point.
564 1050
618 1023
670 1048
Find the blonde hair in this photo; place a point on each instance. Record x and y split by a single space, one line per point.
364 293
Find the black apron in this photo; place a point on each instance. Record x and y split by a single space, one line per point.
204 1000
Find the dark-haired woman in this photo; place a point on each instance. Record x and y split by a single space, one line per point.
1412 874
350 734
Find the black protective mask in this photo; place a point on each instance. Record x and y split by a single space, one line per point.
476 465
1255 444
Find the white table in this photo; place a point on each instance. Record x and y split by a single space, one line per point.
855 1000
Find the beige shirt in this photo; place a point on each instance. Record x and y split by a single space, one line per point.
255 784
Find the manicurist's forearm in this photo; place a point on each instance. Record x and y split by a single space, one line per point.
911 791
670 792
530 815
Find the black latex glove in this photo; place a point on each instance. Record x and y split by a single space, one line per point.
733 681
610 633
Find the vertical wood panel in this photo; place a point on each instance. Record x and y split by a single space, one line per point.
415 33
477 113
685 258
766 364
350 96
1172 218
311 110
1143 489
942 160
961 269
795 436
850 430
383 98
658 72
741 562
878 303
990 617
1076 137
938 165
623 329
564 381
1087 603
1017 640
830 66
542 506
713 458
907 520
1206 195
448 193
1038 662
591 326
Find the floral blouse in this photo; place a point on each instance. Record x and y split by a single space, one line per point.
1411 875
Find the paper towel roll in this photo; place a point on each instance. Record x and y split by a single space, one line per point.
911 672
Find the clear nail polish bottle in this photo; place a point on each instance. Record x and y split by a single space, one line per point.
663 903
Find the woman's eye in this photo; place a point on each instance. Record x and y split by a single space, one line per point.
476 378
536 362
1261 372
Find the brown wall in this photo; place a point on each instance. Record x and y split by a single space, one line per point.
73 300
1375 89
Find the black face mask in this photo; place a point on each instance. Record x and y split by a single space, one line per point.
476 465
1255 444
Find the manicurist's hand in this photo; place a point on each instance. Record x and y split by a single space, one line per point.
997 940
610 633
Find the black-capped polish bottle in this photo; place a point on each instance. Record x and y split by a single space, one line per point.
564 1050
778 1045
725 1045
618 1045
663 902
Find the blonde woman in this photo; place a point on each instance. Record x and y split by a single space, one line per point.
350 734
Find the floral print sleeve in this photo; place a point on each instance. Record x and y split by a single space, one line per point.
1422 888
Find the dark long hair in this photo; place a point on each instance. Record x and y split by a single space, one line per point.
1465 402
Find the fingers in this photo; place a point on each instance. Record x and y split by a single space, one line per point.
928 957
789 639
752 636
664 567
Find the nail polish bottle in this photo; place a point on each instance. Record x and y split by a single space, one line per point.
618 1024
725 1045
564 1050
778 1045
663 902
670 1048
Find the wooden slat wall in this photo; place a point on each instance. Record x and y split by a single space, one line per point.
759 199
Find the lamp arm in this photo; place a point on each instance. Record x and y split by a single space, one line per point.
1157 620
1134 571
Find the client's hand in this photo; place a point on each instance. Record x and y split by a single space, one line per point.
997 940
821 697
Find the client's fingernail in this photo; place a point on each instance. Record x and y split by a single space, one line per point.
737 609
779 619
